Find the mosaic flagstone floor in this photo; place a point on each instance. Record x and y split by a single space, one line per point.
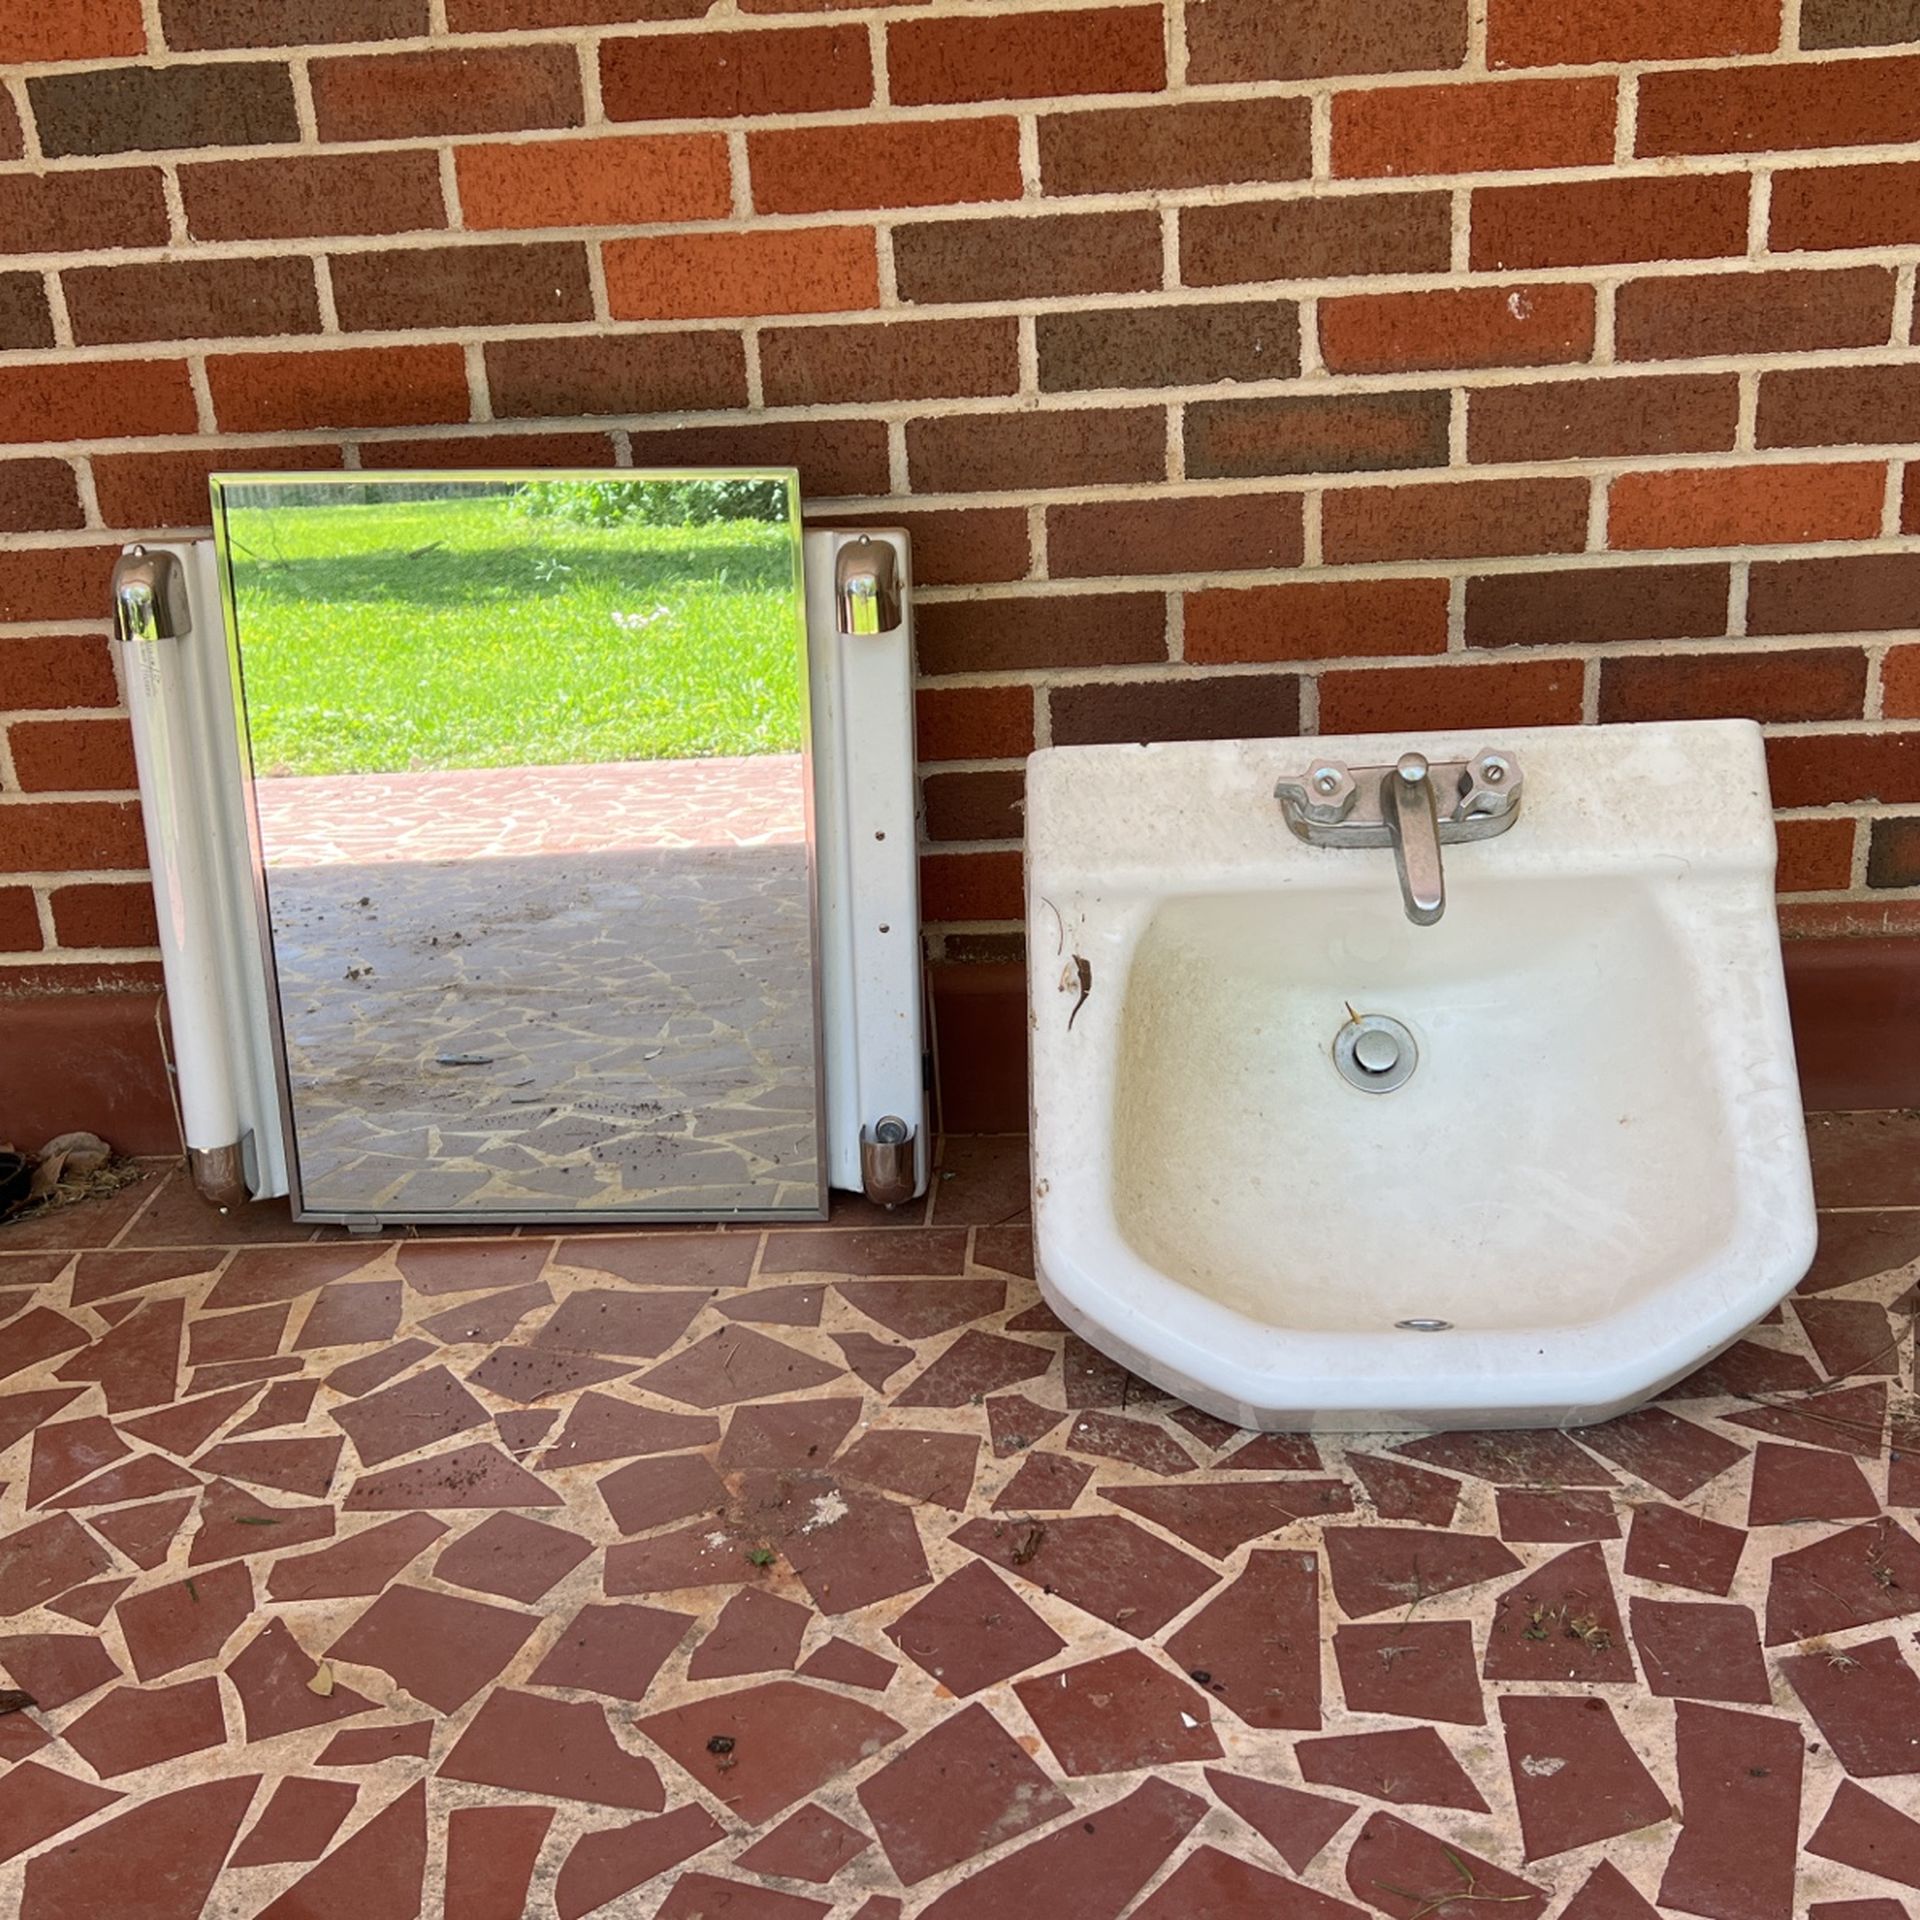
771 1577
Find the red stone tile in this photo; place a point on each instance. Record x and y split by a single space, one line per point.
89 1605
599 1427
41 1561
798 1433
185 1621
849 1548
1272 1453
56 1667
872 1360
1848 1420
1696 1650
1576 1779
695 1896
665 1259
21 1735
144 1477
1793 1484
297 1822
776 1306
1209 1884
933 1467
525 1374
262 1274
1608 1894
521 1429
377 1873
1418 1669
471 1265
1527 1514
916 1250
491 1317
1218 1516
145 1533
1664 1450
982 1180
918 1309
369 1746
1213 1434
1106 1566
491 1852
303 1467
1090 1377
1850 1336
158 1859
604 1865
975 1365
755 1633
38 1336
1039 1318
1860 1246
65 1451
350 1313
39 1803
1560 1622
1682 1550
1117 1713
811 1845
1864 1159
134 1727
1850 1579
697 1556
733 1365
1856 1910
632 1325
1411 1766
20 1413
287 1403
103 1276
560 1749
271 1677
788 1741
1861 1830
137 1364
412 1414
1045 1483
233 1524
251 1334
1375 1568
1296 1825
851 1666
1405 1871
1740 1813
1016 1423
1136 1443
476 1476
236 1373
959 1789
511 1556
441 1648
613 1650
1746 1368
1866 1700
373 1370
649 1493
1257 1642
1088 1869
1517 1458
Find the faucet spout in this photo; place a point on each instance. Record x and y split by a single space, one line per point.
1413 826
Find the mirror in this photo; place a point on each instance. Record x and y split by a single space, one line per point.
531 796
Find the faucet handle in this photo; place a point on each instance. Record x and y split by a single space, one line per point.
1324 794
1490 785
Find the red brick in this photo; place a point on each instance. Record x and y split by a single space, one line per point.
1020 56
1597 606
917 163
1788 312
404 96
190 300
891 360
25 319
151 492
475 450
1502 126
1841 103
1857 23
1814 683
1830 769
1604 419
973 723
34 31
1024 259
56 670
12 141
1317 620
971 886
1531 693
95 399
533 283
55 583
708 275
99 914
1900 683
1201 533
1848 593
983 804
291 197
39 496
1572 33
959 546
1315 433
1310 39
722 76
1183 346
1199 143
1824 207
69 213
184 104
1910 499
200 25
999 452
595 183
1816 856
19 921
351 387
1839 406
1893 853
1744 506
1576 223
1215 707
616 373
1315 239
71 836
1456 519
73 756
1007 633
837 459
1457 327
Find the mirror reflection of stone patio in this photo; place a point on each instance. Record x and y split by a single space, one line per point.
548 988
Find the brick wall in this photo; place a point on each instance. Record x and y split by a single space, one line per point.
1240 366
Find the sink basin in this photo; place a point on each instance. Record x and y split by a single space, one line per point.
1594 1174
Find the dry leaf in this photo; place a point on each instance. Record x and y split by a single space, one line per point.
322 1681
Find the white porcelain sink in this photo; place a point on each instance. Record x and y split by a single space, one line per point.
1596 1174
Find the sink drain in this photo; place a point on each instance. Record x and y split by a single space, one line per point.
1375 1054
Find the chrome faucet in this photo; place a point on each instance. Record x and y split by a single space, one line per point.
1413 806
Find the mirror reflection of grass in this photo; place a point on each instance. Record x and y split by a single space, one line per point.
456 633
